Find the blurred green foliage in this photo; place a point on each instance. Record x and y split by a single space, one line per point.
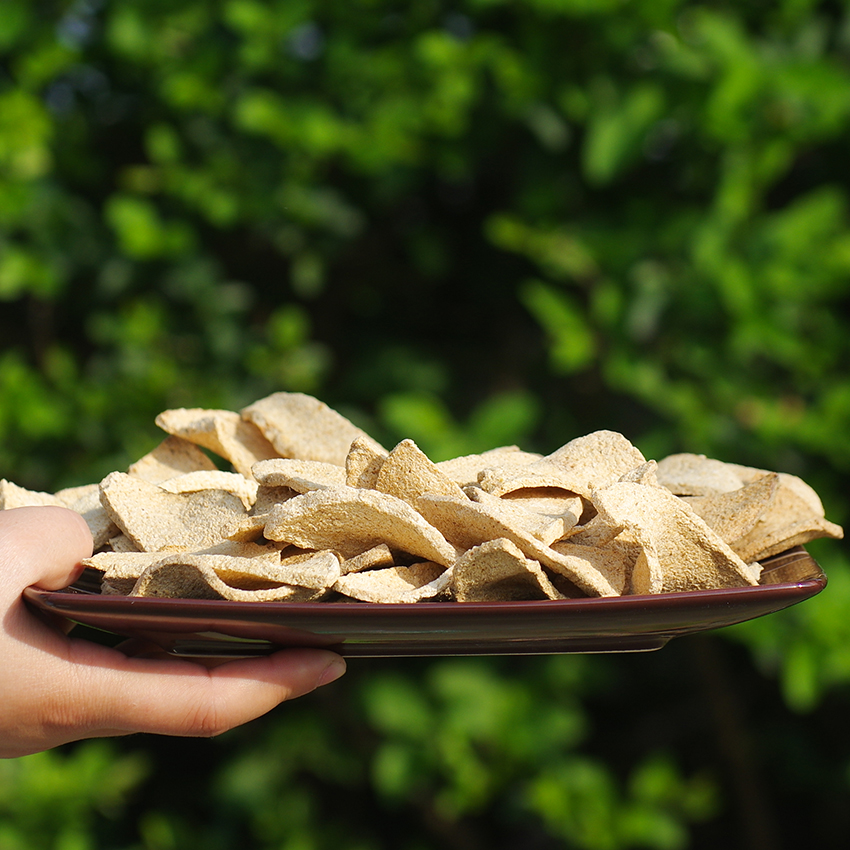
470 223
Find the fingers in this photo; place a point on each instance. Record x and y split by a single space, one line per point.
175 697
42 546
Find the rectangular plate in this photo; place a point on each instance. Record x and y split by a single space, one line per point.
225 629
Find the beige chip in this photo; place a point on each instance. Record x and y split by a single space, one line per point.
85 501
157 521
734 513
363 463
580 466
464 471
545 527
804 491
378 556
268 497
407 473
214 479
299 475
687 474
188 575
497 571
788 521
415 583
350 521
173 456
300 426
467 524
221 431
14 496
690 555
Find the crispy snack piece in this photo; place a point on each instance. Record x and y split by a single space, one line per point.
221 431
646 473
235 563
415 583
173 456
690 555
158 521
467 524
214 479
580 466
303 427
497 571
790 520
378 556
299 475
804 491
688 474
465 470
363 463
734 513
407 473
545 527
350 521
187 575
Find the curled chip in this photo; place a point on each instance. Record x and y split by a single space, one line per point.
182 575
396 584
378 556
173 456
303 427
156 520
465 470
245 489
689 474
408 473
497 571
363 463
791 519
689 554
350 521
467 524
547 528
734 513
315 509
221 431
579 466
299 475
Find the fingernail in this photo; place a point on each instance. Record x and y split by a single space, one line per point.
332 672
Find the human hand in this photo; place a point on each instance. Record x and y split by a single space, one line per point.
58 688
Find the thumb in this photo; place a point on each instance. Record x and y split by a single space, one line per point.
42 546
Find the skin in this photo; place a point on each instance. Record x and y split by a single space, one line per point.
56 688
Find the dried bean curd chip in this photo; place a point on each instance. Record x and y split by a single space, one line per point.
407 473
497 571
221 431
156 520
299 475
303 427
173 456
396 584
363 463
245 489
580 466
350 521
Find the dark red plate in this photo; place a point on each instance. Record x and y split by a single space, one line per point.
212 628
